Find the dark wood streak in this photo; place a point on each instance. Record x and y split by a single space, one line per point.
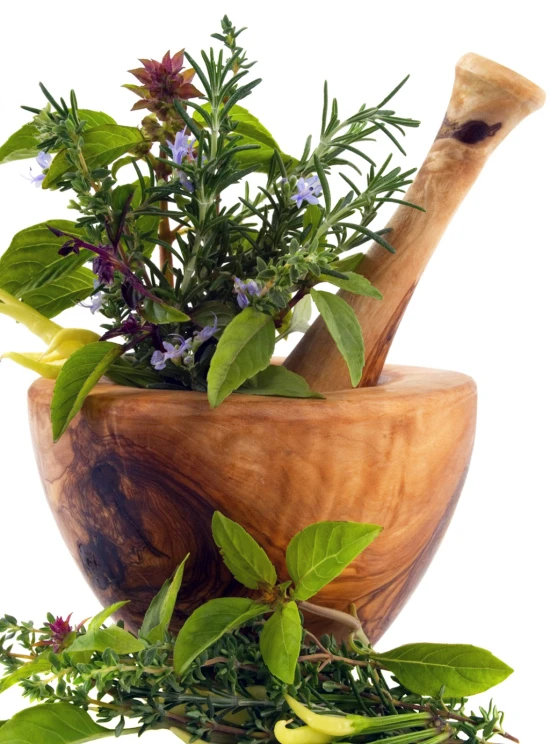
469 133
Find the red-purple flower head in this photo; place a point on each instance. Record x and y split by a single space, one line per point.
60 629
162 82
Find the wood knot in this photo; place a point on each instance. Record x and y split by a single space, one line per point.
469 133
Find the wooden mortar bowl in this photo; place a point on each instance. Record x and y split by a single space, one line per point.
135 480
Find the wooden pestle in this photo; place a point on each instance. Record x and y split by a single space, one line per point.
487 102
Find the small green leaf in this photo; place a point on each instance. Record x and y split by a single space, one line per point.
78 376
344 328
160 611
355 283
114 637
210 312
98 620
57 723
312 216
209 623
247 561
320 552
464 670
159 313
244 349
32 270
251 132
278 381
24 143
349 263
39 665
102 145
281 640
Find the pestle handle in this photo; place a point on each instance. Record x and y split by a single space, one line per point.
487 102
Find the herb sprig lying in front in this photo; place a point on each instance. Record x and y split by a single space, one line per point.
234 274
246 669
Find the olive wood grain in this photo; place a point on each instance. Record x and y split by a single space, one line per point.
487 102
135 480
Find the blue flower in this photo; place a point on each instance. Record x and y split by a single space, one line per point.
98 300
182 147
44 160
308 190
170 353
207 332
244 290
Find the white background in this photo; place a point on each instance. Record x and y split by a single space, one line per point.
481 308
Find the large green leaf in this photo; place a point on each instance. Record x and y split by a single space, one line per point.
247 561
320 552
41 664
244 349
279 381
281 640
159 614
209 623
32 270
78 376
59 723
424 668
251 132
344 328
348 263
99 639
354 283
23 144
101 146
114 637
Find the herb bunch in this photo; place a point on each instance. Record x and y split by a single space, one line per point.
246 669
194 284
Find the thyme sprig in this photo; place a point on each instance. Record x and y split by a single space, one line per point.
225 675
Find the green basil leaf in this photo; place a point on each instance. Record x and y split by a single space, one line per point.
344 328
355 283
244 349
119 640
281 640
464 670
247 561
251 132
312 216
57 723
211 311
349 263
24 143
159 313
160 611
278 381
32 270
98 620
320 552
102 145
126 371
21 145
39 665
209 623
78 376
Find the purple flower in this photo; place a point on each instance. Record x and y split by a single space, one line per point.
98 300
60 630
207 332
44 160
102 266
182 147
308 190
244 290
171 352
186 182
